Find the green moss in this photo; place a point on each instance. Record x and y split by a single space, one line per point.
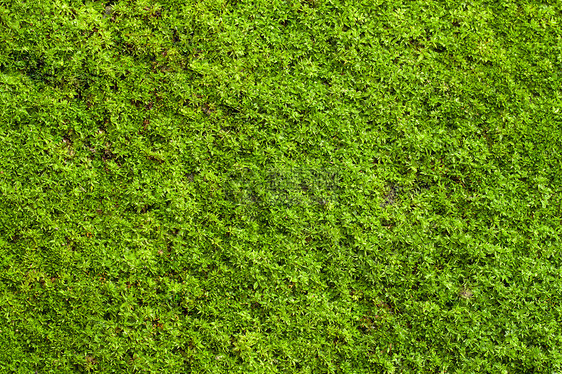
296 187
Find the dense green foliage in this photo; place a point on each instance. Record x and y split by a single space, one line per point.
280 186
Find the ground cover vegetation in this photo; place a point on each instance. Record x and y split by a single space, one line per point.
317 186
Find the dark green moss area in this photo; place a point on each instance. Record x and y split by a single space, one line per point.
280 186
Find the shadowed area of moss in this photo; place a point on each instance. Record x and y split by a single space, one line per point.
288 186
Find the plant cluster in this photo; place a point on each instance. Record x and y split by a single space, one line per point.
283 186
